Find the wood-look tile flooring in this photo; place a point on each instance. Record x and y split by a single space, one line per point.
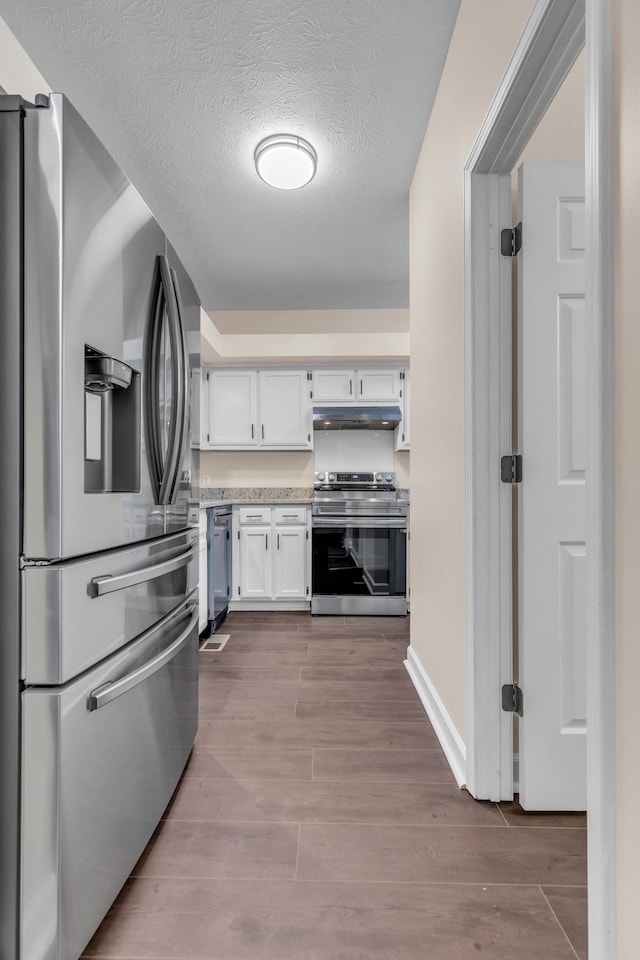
318 820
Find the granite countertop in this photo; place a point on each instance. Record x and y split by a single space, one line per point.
216 496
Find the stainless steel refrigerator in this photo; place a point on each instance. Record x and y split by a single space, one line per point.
99 328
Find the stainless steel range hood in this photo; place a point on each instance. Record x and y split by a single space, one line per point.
356 418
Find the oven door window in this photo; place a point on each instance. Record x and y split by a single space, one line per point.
357 560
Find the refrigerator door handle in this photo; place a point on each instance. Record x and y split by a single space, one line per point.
111 691
99 586
152 382
183 361
176 425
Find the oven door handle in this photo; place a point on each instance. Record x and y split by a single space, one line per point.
380 523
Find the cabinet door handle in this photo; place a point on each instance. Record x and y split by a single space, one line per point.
262 425
253 432
278 547
361 388
350 388
266 541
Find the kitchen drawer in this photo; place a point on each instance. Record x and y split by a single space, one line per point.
290 515
78 611
252 515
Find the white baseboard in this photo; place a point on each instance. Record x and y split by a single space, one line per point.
269 605
450 740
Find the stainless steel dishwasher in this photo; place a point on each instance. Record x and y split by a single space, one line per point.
218 563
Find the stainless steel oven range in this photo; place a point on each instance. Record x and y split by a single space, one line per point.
359 544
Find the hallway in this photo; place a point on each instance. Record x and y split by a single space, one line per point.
318 820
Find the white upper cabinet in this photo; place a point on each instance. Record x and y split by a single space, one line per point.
233 408
378 385
365 385
197 395
403 436
257 409
333 386
285 412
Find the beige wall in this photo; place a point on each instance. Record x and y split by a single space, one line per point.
246 468
315 339
477 59
626 138
310 321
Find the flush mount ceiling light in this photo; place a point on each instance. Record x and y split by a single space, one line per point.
285 161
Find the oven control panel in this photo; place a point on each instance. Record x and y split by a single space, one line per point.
344 479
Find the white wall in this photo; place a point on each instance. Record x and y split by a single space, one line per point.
17 73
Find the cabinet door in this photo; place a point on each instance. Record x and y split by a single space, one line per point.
233 408
333 386
284 409
255 563
378 384
403 437
290 563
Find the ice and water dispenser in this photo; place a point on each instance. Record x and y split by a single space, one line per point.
112 425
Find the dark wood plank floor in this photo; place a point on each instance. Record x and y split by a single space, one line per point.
318 820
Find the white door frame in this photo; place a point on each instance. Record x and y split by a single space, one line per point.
551 41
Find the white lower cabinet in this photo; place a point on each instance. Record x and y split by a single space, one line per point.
272 562
255 563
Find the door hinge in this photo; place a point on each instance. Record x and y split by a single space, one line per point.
512 698
511 241
511 468
238 534
402 374
307 591
309 375
207 376
238 591
307 534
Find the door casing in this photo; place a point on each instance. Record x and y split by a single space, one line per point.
554 35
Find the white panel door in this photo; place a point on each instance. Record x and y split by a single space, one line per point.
552 432
290 563
255 563
233 408
285 412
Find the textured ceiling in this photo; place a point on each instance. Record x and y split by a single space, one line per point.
181 91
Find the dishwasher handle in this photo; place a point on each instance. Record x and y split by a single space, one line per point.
116 688
99 586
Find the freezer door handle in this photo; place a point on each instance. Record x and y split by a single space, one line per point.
99 586
111 691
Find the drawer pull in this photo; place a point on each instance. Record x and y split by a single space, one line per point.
111 691
109 583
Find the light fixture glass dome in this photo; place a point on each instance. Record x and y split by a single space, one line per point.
285 161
